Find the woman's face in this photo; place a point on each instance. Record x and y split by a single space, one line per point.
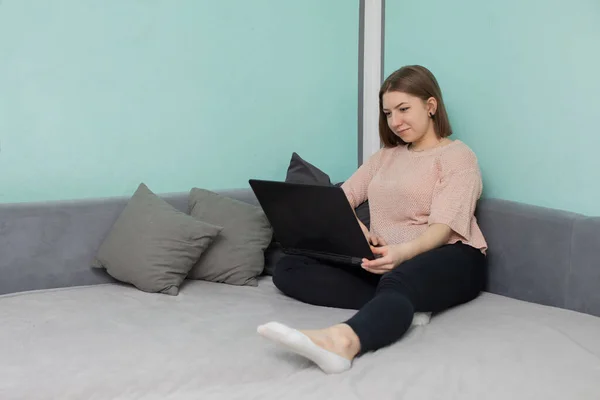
408 116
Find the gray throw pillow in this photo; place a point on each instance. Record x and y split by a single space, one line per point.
152 245
237 255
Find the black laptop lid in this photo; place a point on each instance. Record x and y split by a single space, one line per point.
312 217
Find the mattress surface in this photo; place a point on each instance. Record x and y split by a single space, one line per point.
115 342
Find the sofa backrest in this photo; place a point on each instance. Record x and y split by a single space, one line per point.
52 245
542 255
535 254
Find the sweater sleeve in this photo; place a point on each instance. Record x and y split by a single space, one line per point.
356 187
456 193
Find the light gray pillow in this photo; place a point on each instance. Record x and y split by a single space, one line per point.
152 245
237 255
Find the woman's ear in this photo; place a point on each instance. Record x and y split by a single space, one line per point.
431 106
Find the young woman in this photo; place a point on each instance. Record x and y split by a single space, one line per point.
422 189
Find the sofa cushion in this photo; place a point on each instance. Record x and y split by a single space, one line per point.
237 256
152 245
113 342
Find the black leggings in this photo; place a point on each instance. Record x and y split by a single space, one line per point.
430 282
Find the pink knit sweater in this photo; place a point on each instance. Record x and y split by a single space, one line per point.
409 190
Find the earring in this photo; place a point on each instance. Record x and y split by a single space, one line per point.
430 115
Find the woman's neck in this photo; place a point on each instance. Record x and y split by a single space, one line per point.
428 141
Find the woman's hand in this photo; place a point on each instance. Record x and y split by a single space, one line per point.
372 238
389 258
376 240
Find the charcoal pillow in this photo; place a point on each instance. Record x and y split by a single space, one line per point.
301 171
237 256
152 245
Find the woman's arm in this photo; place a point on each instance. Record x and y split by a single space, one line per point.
391 256
356 186
435 236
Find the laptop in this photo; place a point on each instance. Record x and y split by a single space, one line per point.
313 220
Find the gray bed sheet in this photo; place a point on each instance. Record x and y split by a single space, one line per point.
112 341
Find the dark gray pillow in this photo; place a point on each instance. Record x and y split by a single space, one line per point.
152 245
301 171
237 255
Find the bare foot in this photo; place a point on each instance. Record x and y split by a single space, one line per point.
339 339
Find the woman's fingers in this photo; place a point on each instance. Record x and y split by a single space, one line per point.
374 240
374 271
383 262
377 270
377 241
379 252
377 263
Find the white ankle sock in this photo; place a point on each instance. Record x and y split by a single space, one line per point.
421 318
301 344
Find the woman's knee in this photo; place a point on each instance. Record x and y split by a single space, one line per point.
394 281
439 279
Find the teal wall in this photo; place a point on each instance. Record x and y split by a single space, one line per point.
98 96
522 84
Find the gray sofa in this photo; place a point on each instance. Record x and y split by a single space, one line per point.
71 332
